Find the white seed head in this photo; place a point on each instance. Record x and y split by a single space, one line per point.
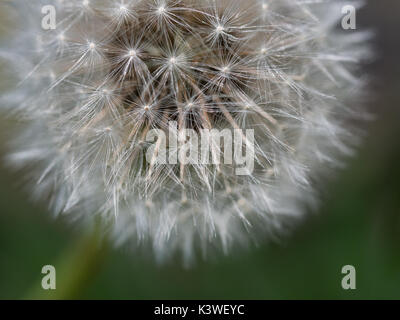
281 69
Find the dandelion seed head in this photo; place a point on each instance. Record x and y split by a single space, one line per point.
89 108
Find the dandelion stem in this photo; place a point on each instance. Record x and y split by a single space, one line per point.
76 268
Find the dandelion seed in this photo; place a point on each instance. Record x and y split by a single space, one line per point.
172 61
161 10
132 53
225 69
219 29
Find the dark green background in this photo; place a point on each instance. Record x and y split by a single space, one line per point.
358 224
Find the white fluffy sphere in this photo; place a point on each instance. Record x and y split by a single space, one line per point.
88 94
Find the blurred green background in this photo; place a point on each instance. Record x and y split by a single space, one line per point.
358 224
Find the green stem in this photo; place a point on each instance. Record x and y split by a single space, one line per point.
76 268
